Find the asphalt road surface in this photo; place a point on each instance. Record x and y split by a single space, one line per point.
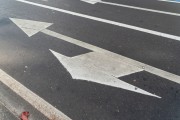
92 59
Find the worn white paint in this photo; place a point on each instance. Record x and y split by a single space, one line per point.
87 67
144 30
170 1
132 7
131 62
101 62
30 27
148 68
91 1
40 104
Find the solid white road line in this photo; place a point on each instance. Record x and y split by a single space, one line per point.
165 35
131 7
140 8
41 105
170 1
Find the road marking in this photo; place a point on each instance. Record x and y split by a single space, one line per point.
148 68
131 7
91 1
87 67
30 27
40 104
165 35
172 1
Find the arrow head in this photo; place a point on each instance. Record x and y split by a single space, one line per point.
30 27
83 67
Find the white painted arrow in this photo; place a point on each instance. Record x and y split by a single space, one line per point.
88 67
30 27
85 67
131 7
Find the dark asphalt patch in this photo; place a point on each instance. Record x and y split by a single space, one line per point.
30 62
169 106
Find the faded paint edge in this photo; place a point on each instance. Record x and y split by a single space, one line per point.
37 102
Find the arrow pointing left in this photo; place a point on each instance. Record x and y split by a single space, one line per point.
99 68
30 27
22 24
106 75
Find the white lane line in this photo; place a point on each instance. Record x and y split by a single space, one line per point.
115 56
170 1
140 8
40 104
131 7
165 35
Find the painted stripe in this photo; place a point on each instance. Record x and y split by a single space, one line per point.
40 104
90 2
148 68
140 8
132 7
165 35
30 27
170 1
